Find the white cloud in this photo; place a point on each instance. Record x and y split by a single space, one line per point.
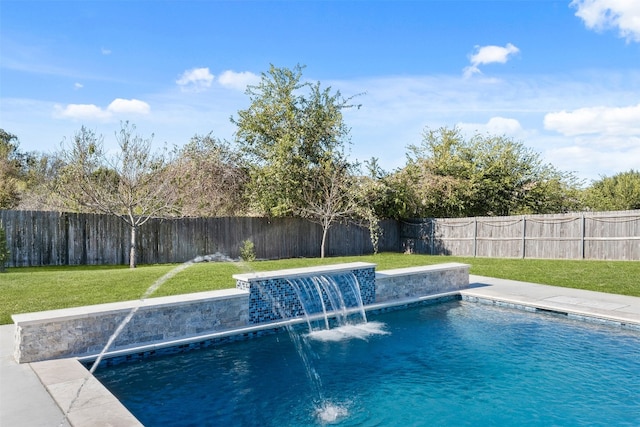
495 126
78 85
489 55
395 111
105 51
599 140
81 112
240 81
92 112
128 106
594 162
600 15
195 80
612 121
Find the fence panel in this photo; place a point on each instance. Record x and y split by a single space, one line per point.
416 236
51 238
453 236
554 236
612 236
499 237
390 240
588 235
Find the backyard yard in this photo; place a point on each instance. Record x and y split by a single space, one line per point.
30 289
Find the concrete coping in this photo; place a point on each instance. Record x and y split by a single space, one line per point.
302 272
420 269
114 307
83 400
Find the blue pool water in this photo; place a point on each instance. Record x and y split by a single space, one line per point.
451 364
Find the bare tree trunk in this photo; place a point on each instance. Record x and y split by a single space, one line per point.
325 230
132 248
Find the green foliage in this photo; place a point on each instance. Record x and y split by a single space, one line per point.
247 251
10 170
450 176
4 249
25 178
292 136
618 192
290 129
209 178
371 194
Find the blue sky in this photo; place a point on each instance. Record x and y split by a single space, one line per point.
562 77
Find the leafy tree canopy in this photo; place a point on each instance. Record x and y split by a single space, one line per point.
450 176
617 192
10 170
209 178
290 128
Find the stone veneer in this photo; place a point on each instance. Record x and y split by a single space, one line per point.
82 331
166 321
415 282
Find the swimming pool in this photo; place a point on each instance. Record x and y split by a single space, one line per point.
455 363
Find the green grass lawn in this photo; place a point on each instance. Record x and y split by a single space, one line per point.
29 289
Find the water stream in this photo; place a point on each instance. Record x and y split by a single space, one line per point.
332 313
150 291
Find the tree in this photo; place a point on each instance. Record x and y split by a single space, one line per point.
25 177
40 175
10 170
617 192
210 179
485 175
293 137
328 197
133 184
290 128
374 199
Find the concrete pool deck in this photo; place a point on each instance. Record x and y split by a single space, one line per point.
25 402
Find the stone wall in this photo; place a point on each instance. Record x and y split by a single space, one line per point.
86 330
162 322
414 282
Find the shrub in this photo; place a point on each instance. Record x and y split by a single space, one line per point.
247 251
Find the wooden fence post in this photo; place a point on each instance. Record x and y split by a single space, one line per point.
524 235
582 235
433 235
475 236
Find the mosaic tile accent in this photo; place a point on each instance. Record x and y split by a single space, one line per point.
206 343
273 299
182 348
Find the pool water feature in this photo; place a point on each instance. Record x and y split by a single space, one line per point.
322 295
333 309
455 363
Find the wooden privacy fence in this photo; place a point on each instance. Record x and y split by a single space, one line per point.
37 238
588 235
51 238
